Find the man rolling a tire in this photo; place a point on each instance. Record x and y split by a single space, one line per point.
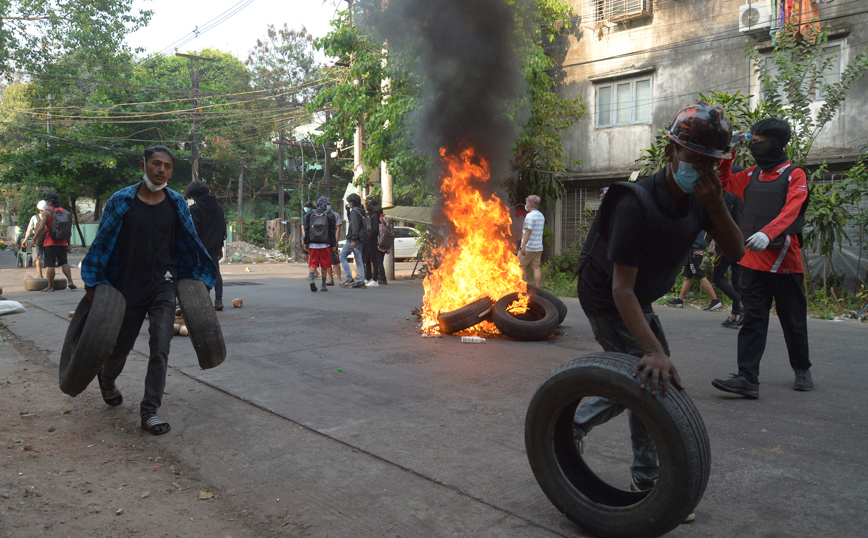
146 242
636 248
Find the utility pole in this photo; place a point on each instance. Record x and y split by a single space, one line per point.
240 226
194 76
280 177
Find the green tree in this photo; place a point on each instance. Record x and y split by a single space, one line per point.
33 32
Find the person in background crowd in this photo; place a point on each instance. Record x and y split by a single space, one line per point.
336 261
370 253
383 251
319 236
603 192
37 249
722 263
210 222
353 244
775 195
531 250
145 244
55 250
693 269
634 251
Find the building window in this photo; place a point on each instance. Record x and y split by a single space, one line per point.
832 57
599 12
624 102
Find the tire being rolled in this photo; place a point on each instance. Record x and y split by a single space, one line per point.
552 298
575 490
90 338
526 329
465 317
39 284
201 321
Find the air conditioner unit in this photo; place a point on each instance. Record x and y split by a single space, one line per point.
754 17
627 10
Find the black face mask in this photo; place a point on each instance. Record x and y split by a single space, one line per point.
768 154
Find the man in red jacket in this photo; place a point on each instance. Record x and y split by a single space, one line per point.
775 195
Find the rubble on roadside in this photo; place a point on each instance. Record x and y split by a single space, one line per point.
243 252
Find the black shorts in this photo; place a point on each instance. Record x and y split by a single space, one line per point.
335 259
55 255
691 268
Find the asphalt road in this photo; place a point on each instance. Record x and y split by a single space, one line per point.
333 404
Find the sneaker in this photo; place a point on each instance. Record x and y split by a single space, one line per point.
803 382
643 485
347 283
732 318
367 282
371 284
737 384
218 304
676 302
323 288
312 286
715 304
359 285
738 322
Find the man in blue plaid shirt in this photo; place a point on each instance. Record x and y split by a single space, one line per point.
146 242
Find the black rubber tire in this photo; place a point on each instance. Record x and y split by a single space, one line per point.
540 328
575 490
90 338
39 284
552 298
201 320
465 317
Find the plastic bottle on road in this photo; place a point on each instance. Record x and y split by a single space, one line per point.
472 340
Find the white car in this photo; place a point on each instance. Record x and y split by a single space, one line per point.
405 243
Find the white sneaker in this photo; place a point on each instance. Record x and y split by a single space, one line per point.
367 282
372 284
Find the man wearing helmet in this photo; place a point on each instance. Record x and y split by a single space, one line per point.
635 249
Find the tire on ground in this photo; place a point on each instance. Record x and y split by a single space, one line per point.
552 298
39 284
90 338
538 324
465 317
201 320
575 490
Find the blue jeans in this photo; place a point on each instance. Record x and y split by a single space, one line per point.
357 258
611 332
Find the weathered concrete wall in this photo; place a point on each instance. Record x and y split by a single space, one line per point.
689 48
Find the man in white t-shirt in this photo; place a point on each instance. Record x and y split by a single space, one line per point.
530 253
38 253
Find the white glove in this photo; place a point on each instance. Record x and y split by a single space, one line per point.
757 242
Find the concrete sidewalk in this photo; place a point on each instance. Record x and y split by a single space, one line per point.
333 404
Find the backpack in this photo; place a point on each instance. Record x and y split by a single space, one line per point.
367 230
319 227
387 236
61 224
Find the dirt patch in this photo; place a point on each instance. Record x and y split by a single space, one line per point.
75 467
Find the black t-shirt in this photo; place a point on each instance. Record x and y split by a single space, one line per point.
629 243
147 251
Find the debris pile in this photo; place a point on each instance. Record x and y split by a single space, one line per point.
243 252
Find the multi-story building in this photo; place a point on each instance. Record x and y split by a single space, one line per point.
638 62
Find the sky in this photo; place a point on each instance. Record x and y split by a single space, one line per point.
174 19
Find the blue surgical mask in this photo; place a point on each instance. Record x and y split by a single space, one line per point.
329 207
307 210
526 208
686 176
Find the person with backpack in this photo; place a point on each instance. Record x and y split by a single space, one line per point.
210 222
319 236
374 270
385 242
635 249
57 225
356 216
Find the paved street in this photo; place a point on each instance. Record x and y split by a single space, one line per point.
333 404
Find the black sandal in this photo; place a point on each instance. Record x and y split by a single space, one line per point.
155 425
112 397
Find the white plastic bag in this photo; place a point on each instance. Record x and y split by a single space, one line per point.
11 307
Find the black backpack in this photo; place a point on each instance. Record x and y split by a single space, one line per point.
367 229
61 224
319 227
387 237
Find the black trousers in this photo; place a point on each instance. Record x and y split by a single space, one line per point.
373 262
218 286
161 315
758 288
718 278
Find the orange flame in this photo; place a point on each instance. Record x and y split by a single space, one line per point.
520 305
480 259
